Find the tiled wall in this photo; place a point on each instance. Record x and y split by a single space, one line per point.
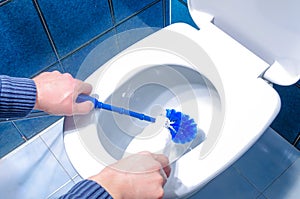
42 35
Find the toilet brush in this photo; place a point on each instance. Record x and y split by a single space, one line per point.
183 129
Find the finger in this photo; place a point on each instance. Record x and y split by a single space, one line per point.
164 175
82 108
164 161
83 87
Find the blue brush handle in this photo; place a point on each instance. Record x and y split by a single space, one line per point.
101 105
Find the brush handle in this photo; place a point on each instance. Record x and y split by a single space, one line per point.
120 110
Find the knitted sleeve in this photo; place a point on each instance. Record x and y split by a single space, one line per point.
86 189
17 96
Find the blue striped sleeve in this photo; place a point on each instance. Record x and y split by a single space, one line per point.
86 189
17 96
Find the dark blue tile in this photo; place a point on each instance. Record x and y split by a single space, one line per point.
141 25
180 13
24 46
73 23
125 8
228 184
286 186
84 62
267 159
10 138
287 123
32 126
167 12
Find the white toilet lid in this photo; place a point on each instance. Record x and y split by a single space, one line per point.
270 29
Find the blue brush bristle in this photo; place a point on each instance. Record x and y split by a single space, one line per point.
183 128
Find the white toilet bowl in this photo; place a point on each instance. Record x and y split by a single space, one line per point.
203 73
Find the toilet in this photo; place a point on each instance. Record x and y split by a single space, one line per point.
220 74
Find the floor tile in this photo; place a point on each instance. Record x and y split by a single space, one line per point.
268 158
31 172
24 47
84 62
73 23
228 184
287 186
53 138
125 8
10 138
32 126
62 190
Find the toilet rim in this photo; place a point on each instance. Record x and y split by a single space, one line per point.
106 74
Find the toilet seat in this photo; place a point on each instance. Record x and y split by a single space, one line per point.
248 103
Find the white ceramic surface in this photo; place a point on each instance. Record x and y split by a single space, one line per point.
240 104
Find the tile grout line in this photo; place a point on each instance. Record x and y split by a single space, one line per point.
252 184
4 2
46 28
19 131
59 188
281 174
53 154
108 30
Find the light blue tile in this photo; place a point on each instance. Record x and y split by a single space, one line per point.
125 8
98 52
286 186
77 179
10 138
140 26
31 172
62 190
269 157
73 23
228 184
54 140
180 13
24 47
32 126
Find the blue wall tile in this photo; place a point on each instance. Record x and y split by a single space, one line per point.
73 23
31 126
180 13
24 46
125 8
98 52
10 138
143 23
287 123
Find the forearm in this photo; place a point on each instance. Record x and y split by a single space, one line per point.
17 96
86 189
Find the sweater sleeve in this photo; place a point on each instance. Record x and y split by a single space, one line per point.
17 96
86 189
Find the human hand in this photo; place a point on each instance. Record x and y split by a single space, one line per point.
141 175
57 92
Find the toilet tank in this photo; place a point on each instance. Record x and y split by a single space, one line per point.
270 29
